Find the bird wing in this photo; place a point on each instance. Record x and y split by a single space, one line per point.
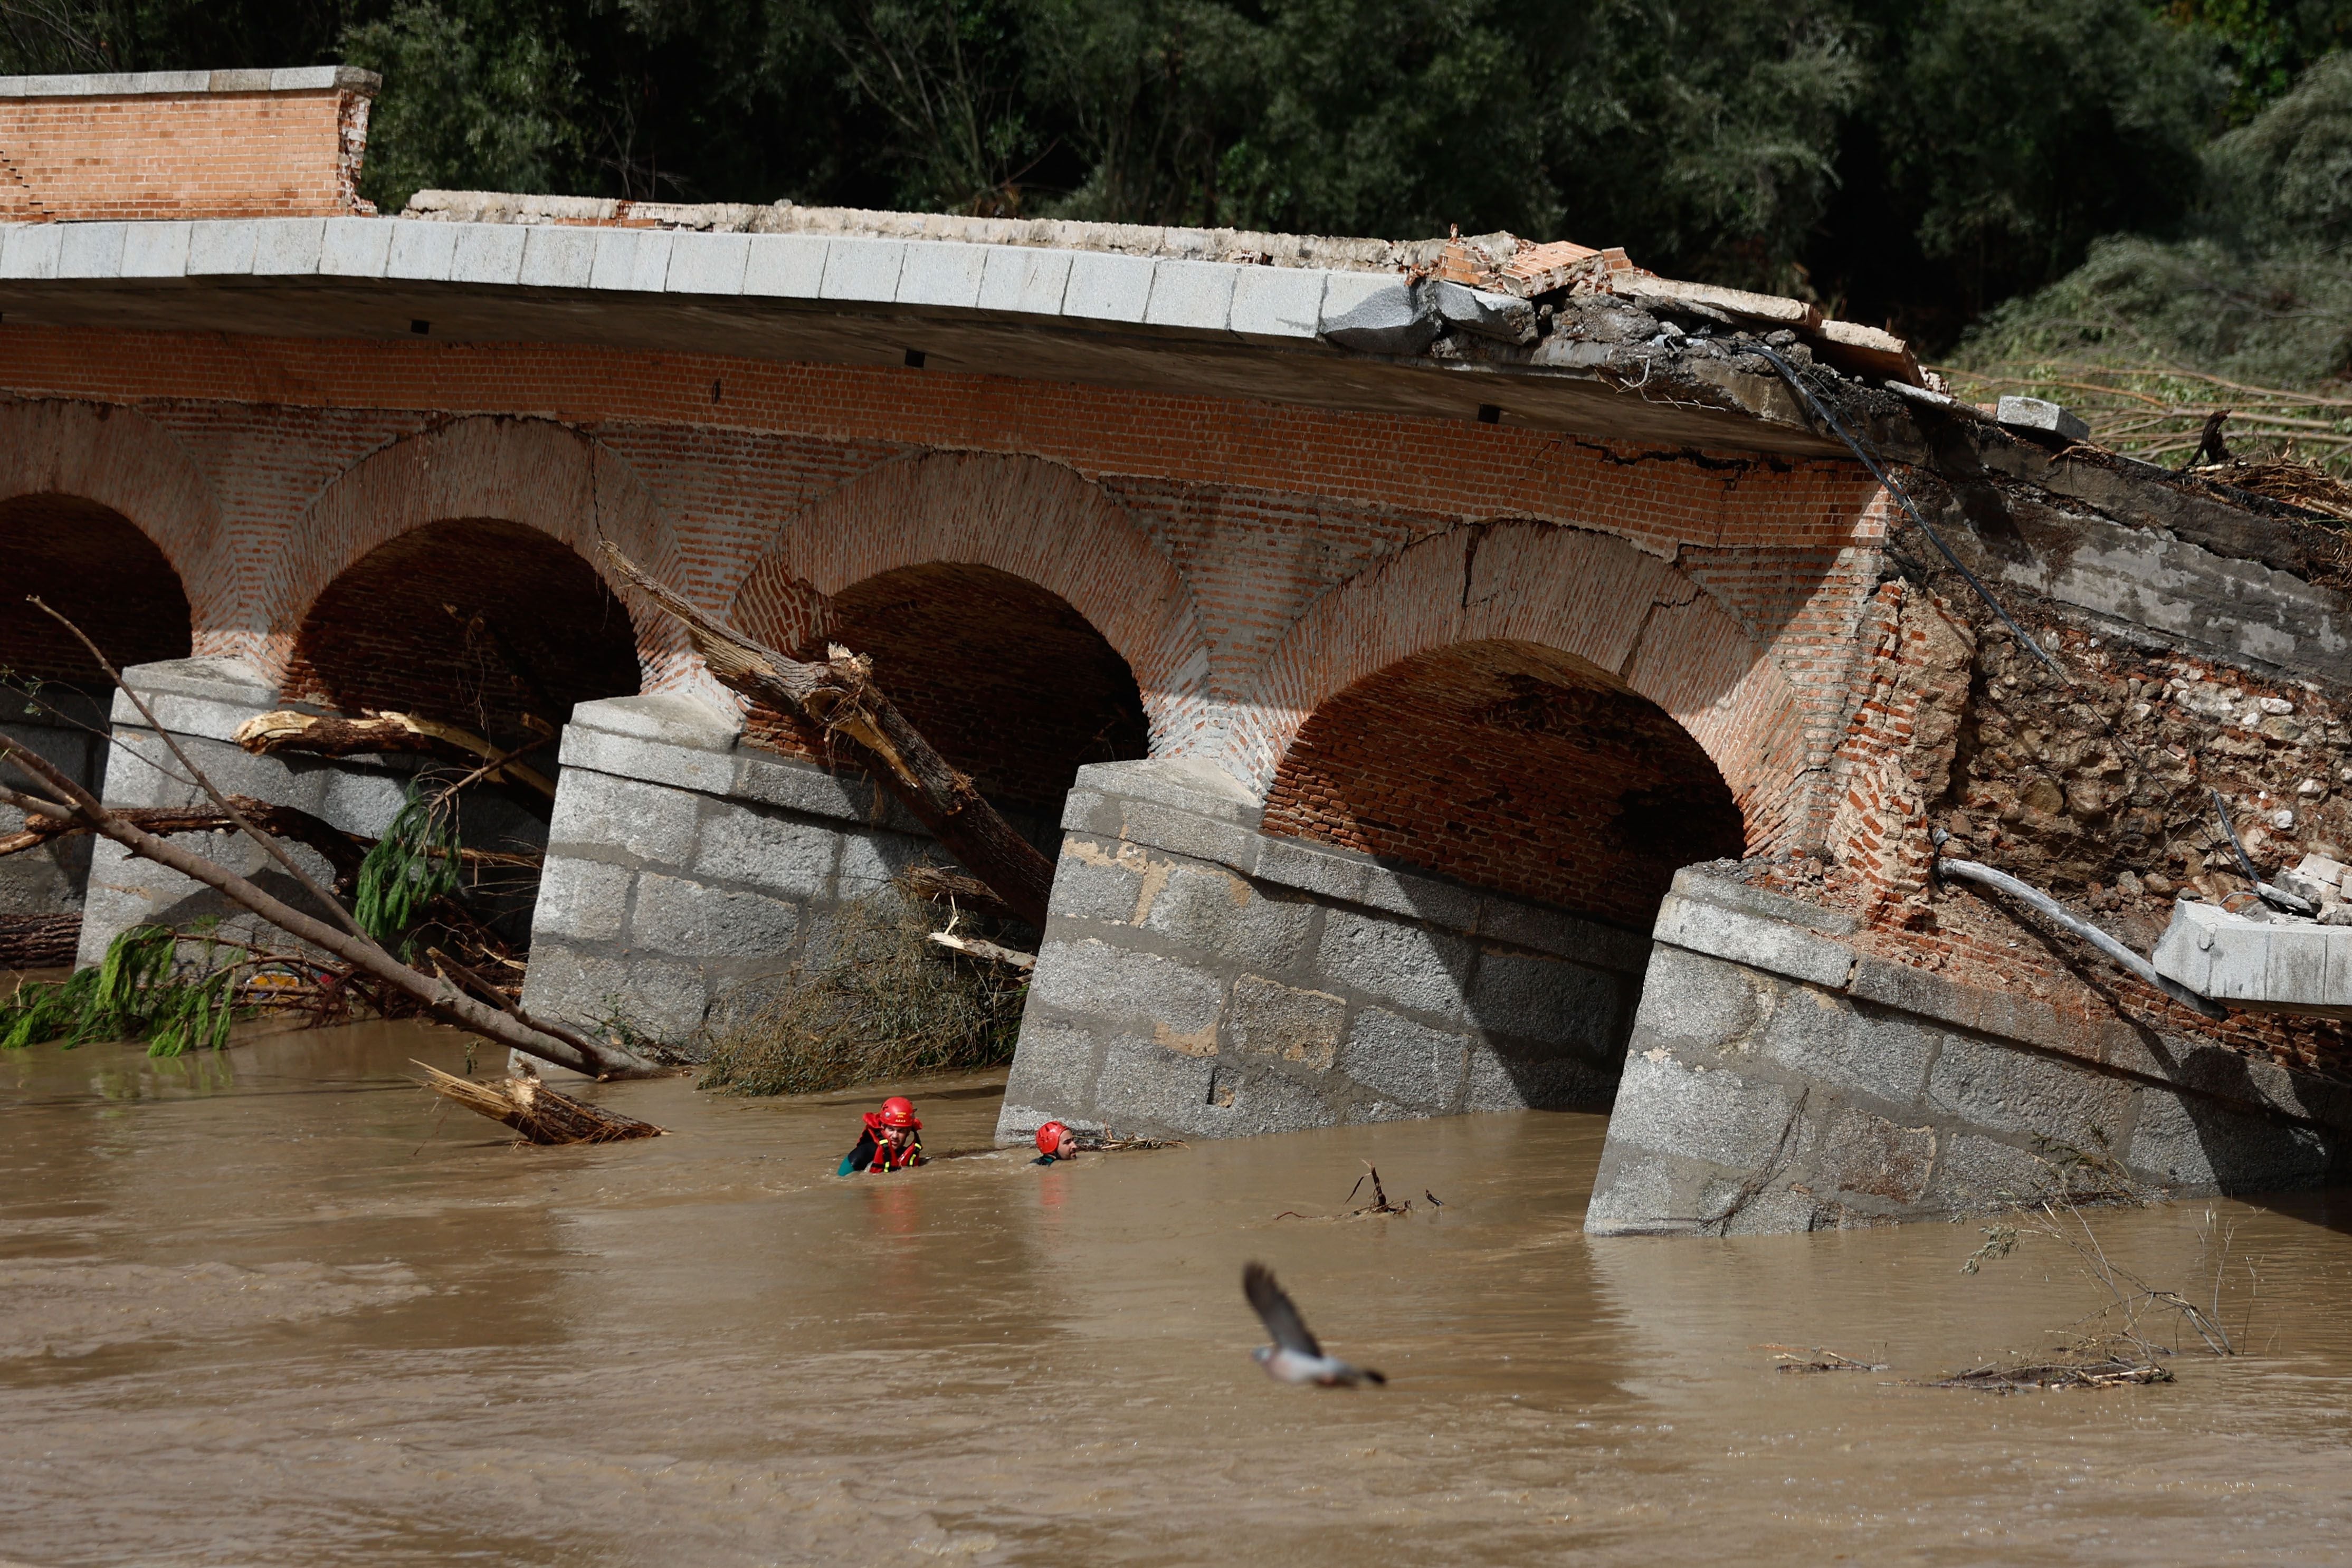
1274 1306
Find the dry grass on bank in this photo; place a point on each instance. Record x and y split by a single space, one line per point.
882 1001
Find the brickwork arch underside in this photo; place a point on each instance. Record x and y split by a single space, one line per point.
1028 521
1598 612
61 454
1514 768
506 478
99 570
475 621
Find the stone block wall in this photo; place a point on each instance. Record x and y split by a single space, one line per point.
1201 977
683 868
1780 1079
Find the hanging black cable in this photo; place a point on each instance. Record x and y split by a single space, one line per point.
1789 374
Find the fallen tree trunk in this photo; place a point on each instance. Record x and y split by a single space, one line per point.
539 1114
840 698
318 735
341 851
445 1000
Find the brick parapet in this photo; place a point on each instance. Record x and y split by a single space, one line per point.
184 144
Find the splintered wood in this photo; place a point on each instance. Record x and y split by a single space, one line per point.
542 1114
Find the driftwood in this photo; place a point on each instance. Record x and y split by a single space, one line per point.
978 947
341 851
841 698
319 734
542 1114
959 890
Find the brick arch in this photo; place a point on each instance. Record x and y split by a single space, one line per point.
1031 519
531 472
1627 619
126 462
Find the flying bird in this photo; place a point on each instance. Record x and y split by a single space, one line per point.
1294 1356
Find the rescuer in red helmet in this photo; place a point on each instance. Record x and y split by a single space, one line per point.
892 1139
1056 1142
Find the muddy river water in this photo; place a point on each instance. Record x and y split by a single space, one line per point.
275 1307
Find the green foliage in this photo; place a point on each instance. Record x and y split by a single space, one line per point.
882 1001
472 102
143 988
2260 296
2286 181
415 863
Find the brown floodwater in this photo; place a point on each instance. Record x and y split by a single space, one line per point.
276 1306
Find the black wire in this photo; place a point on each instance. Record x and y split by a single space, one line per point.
1789 374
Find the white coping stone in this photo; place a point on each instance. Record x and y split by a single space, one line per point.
616 258
2256 963
489 253
356 247
155 250
221 245
559 256
862 269
708 264
1343 291
1107 287
785 266
1198 294
649 265
942 272
1025 281
127 84
91 250
418 252
30 250
1278 301
288 246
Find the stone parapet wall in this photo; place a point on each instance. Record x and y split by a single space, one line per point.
1201 977
683 869
1778 1079
184 144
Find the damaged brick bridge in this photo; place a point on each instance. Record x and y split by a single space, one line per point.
1436 665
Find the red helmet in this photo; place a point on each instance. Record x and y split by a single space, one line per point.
899 1111
1050 1137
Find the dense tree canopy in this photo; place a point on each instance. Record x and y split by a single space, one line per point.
1911 161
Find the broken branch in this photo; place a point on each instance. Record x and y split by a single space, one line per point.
840 698
319 735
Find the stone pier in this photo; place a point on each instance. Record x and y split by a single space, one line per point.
1780 1079
41 890
202 701
684 867
1204 978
